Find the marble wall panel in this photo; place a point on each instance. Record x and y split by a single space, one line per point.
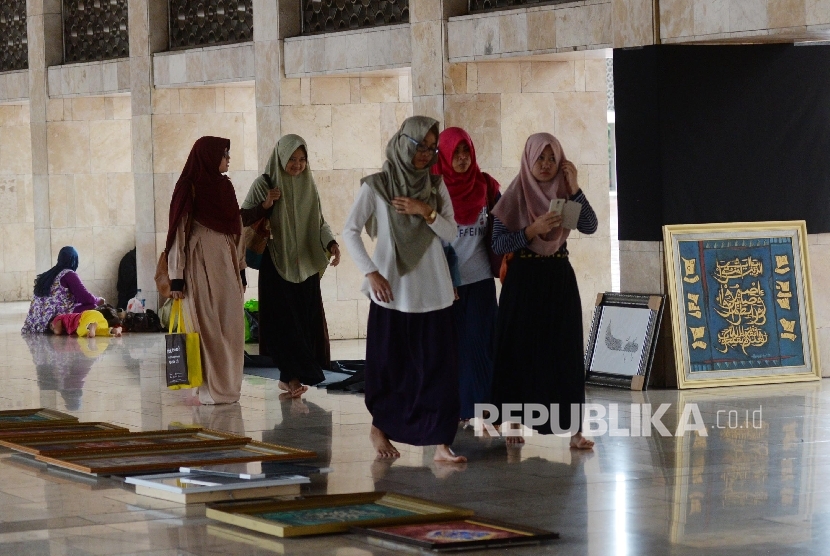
337 190
68 147
341 317
379 89
314 124
349 279
91 200
541 30
391 119
500 77
817 13
523 114
632 23
62 201
588 25
786 13
111 243
545 77
120 199
581 127
677 18
480 116
110 147
748 15
513 32
711 17
330 90
173 136
18 247
358 121
15 149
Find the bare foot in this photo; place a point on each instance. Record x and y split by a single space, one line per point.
579 442
116 331
382 445
444 453
294 387
511 438
91 330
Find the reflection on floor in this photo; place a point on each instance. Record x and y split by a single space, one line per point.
743 488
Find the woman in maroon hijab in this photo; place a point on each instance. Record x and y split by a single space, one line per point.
538 353
472 192
205 261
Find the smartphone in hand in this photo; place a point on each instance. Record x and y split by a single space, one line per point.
556 206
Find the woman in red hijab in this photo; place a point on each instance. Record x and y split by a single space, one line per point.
473 194
538 352
205 261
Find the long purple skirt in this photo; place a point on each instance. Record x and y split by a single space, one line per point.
412 375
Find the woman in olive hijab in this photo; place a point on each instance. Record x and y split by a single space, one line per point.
292 323
411 356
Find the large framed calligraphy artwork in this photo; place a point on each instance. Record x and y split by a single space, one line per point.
741 303
622 339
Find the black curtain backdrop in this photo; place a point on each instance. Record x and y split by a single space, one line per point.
732 133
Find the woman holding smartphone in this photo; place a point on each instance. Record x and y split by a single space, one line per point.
539 349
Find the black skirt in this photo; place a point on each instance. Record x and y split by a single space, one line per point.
475 320
412 375
292 325
539 349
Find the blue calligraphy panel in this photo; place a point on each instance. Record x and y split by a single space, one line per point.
740 299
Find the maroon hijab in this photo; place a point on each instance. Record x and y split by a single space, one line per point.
468 191
203 191
527 199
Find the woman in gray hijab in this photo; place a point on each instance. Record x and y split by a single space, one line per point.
411 360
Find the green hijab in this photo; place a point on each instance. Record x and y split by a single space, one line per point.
299 234
399 178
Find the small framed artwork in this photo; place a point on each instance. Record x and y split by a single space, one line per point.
125 443
741 303
315 515
61 430
199 488
463 534
154 459
20 418
622 339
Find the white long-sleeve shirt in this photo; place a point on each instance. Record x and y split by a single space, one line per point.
425 288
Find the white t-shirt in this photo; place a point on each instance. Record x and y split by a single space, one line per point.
425 288
469 246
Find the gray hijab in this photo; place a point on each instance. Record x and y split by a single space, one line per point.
399 178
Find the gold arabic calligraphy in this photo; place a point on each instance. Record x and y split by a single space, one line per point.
743 309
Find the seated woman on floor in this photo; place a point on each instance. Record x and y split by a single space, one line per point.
59 290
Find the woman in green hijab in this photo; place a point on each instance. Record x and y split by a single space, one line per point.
411 353
292 321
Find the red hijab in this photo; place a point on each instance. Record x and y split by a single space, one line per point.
527 199
205 192
468 191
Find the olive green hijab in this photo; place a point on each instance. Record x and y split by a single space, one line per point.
399 178
299 234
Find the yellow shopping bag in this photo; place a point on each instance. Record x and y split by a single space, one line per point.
184 360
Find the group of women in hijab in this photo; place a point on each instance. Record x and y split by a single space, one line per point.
429 357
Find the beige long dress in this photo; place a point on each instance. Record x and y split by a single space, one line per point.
210 263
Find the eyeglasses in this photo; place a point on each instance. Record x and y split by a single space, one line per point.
421 149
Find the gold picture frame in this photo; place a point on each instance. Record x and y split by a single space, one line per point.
23 418
121 463
126 443
62 430
336 513
741 303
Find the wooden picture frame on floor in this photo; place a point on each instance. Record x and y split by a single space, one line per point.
464 534
623 339
21 418
62 430
119 463
200 488
315 515
741 303
126 443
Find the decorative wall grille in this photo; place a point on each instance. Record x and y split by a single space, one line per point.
609 83
14 48
327 16
208 22
95 30
493 5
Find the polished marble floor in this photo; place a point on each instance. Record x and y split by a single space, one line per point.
744 488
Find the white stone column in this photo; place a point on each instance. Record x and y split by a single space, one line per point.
43 21
274 20
430 62
148 34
